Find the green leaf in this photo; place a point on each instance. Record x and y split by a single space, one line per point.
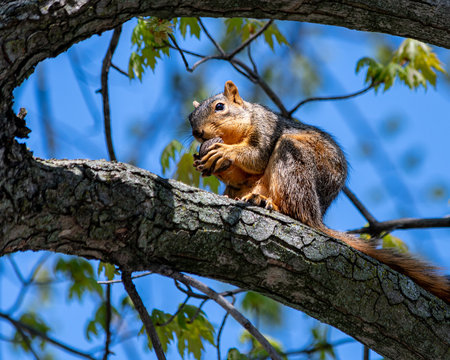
267 309
234 354
97 326
390 241
192 23
170 152
190 335
36 322
109 270
413 63
257 351
81 275
150 37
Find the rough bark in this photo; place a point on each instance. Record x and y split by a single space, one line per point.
31 31
132 218
126 216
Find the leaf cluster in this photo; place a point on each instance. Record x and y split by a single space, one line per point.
189 327
413 63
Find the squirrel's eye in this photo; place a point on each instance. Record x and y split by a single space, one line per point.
220 107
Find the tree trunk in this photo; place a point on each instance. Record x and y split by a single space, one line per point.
129 217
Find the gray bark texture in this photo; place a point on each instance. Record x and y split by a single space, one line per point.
127 216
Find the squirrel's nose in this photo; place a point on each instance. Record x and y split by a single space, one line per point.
198 134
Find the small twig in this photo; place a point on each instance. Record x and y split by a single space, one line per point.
197 313
219 299
309 351
216 44
108 322
25 283
303 102
143 313
123 72
119 281
358 204
186 64
366 353
249 53
105 92
44 336
249 40
27 341
219 334
403 224
176 313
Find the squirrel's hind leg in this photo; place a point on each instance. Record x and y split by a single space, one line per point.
290 178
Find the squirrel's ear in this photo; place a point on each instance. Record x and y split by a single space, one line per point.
232 94
196 104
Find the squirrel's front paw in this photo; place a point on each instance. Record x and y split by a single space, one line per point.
219 158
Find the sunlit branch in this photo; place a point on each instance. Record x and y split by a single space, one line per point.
32 331
342 97
143 313
224 303
105 92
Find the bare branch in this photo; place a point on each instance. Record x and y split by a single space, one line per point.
358 204
249 40
219 299
123 72
119 281
44 336
403 224
186 64
341 97
216 44
143 313
366 353
219 334
176 313
105 92
108 322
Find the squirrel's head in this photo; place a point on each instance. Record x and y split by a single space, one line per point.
224 115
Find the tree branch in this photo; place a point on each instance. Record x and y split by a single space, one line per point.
105 92
402 224
322 98
148 220
224 303
34 332
145 317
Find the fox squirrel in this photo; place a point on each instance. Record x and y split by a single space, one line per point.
284 165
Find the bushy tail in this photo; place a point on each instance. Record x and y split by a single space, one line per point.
418 270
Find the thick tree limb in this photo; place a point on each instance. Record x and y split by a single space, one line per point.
127 216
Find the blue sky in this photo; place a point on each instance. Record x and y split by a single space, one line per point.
422 117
